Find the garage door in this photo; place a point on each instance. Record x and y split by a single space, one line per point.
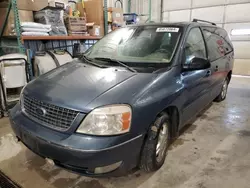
233 15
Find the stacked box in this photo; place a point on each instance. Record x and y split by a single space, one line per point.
94 13
76 25
95 30
53 17
116 15
25 8
30 5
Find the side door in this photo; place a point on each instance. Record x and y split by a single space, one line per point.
218 54
196 82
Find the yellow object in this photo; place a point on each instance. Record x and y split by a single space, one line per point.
109 16
83 4
76 13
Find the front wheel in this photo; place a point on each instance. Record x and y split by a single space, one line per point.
223 94
156 144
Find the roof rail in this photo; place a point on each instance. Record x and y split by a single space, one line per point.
197 20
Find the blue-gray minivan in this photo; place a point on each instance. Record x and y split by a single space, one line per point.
120 104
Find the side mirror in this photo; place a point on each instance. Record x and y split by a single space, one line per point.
196 63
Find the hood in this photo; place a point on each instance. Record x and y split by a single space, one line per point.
75 85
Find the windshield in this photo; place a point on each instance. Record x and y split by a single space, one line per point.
140 44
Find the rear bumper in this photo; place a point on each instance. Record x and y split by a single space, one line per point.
64 150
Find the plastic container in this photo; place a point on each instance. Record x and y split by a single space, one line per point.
130 18
46 61
72 4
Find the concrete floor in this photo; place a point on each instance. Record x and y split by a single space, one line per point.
212 152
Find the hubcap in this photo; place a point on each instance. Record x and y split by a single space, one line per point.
162 142
224 90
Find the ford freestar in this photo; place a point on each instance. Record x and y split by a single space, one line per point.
120 104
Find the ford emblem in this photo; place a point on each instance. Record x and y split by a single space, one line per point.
41 111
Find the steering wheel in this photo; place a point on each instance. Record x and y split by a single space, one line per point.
165 51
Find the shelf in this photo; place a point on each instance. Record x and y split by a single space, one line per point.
13 98
60 38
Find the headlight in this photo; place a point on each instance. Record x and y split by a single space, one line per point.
107 120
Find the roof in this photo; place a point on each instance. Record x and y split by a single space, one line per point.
177 24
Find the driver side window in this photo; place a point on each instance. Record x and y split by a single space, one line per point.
195 46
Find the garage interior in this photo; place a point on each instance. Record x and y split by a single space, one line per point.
213 151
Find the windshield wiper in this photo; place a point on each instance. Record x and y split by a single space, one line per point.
89 61
116 61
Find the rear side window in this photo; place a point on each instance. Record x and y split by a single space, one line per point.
227 44
218 42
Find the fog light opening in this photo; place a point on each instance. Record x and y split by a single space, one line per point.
109 168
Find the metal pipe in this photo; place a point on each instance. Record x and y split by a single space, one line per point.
149 9
106 16
5 20
1 102
161 13
4 96
129 6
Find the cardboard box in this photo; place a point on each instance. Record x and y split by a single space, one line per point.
30 5
58 3
94 30
73 33
24 16
76 24
117 15
94 13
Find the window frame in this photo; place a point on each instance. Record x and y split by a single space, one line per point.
228 42
184 44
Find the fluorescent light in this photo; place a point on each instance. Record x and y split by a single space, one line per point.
240 32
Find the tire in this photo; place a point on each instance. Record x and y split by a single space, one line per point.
150 161
223 93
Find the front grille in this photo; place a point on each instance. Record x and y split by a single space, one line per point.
55 117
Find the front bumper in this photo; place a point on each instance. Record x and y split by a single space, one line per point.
76 152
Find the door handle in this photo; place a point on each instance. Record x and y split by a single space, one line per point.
209 73
216 68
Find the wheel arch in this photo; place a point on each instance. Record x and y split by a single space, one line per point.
174 115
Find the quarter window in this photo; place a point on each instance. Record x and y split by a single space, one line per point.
218 42
195 46
227 44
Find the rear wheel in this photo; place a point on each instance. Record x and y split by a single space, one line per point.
223 94
156 144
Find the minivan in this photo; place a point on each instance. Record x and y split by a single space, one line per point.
120 104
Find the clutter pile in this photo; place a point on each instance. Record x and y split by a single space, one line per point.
52 17
115 18
62 17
